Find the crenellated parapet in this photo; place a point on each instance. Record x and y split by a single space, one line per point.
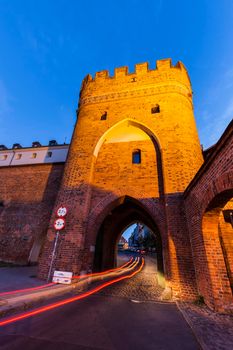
165 77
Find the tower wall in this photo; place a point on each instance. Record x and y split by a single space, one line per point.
98 169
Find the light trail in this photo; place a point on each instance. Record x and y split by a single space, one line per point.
52 283
27 289
70 300
103 272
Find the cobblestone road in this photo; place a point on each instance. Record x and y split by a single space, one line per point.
142 287
213 331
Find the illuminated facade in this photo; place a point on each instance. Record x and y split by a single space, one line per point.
135 156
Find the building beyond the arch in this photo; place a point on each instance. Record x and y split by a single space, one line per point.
134 154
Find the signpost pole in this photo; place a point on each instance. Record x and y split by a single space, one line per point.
59 225
53 256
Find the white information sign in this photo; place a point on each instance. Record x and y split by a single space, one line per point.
63 277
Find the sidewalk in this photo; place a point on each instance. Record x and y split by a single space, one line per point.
17 278
12 278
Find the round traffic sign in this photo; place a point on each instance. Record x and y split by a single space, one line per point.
59 224
62 211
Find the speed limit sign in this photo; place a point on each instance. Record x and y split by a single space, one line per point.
59 224
61 212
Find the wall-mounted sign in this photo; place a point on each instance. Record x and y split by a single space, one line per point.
59 224
61 212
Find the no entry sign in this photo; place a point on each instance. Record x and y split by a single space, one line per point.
61 212
59 224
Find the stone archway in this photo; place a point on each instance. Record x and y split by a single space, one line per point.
120 217
218 251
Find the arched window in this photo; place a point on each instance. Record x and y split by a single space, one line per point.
136 156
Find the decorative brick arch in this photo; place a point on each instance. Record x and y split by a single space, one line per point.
218 194
104 238
99 212
219 185
146 130
130 121
203 209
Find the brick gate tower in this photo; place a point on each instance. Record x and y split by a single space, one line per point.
133 152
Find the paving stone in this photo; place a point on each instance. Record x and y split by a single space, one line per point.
213 330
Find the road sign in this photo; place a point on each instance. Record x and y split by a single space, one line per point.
63 277
63 274
62 280
61 212
59 224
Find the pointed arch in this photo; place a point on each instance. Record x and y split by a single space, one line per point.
129 122
145 129
115 218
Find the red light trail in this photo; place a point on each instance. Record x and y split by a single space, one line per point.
27 289
103 272
70 300
52 283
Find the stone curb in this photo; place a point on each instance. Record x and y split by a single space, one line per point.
187 319
27 301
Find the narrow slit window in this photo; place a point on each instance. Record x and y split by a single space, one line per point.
34 155
49 154
155 109
104 116
136 157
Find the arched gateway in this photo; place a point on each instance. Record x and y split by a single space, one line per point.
134 150
122 213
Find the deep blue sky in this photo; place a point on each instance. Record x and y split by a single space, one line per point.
47 47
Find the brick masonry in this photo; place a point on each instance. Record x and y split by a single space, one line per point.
171 190
211 237
28 194
99 173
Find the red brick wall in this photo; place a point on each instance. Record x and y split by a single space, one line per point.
226 240
205 197
28 194
94 182
114 169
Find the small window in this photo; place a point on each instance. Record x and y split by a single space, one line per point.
104 116
1 204
155 109
34 155
49 154
4 157
18 156
136 157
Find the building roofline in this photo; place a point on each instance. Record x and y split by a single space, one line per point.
212 154
31 164
66 145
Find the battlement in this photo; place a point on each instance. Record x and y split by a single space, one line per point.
141 69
